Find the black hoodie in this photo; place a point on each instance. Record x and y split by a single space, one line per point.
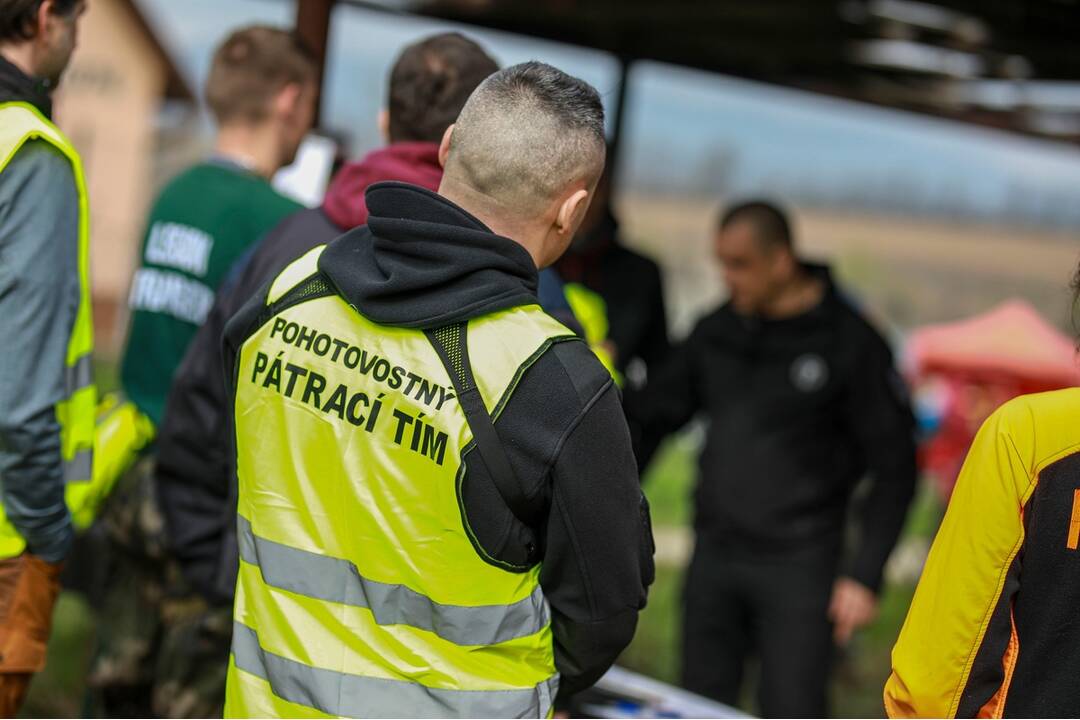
15 85
423 262
799 410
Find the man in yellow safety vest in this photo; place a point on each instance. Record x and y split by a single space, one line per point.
47 396
439 509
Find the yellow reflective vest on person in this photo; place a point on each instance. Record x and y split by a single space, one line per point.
19 124
361 590
591 311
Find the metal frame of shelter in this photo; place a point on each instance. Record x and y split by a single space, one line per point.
1007 64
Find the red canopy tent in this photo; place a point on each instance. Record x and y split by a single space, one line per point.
1012 342
963 371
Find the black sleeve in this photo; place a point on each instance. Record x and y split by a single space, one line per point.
195 457
192 466
655 346
598 559
880 418
671 397
565 436
194 452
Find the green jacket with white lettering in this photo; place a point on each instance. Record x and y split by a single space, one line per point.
203 221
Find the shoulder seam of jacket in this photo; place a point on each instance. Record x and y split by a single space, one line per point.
553 458
984 624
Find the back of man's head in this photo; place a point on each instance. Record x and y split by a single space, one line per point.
250 68
19 18
770 223
429 84
529 135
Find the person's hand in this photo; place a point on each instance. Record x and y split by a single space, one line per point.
853 605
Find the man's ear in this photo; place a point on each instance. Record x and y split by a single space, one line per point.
287 99
784 261
444 146
45 14
383 121
572 211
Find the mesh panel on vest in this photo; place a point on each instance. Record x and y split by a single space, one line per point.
449 338
315 286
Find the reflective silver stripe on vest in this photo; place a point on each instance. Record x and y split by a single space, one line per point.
79 375
79 468
336 580
348 695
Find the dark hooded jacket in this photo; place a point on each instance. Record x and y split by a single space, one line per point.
799 409
422 262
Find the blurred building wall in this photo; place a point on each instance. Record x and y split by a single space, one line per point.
108 104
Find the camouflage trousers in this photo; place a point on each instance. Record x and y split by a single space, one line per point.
162 651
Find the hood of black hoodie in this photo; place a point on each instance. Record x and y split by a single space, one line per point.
423 262
17 86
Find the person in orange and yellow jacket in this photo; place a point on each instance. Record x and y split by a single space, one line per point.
994 629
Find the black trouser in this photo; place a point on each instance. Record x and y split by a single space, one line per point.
774 608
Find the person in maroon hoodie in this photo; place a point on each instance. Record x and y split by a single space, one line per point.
195 491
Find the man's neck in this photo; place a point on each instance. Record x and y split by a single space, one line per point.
801 295
254 147
488 211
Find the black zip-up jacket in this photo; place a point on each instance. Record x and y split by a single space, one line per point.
422 262
798 411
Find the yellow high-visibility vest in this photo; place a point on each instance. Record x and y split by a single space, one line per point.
21 123
362 591
591 311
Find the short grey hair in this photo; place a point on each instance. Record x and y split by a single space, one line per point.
526 133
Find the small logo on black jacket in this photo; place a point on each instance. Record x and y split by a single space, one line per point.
809 372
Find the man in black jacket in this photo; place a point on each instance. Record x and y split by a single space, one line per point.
802 400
